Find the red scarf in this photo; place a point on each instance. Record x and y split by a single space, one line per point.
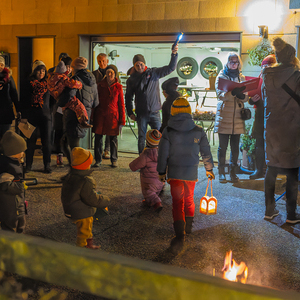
39 89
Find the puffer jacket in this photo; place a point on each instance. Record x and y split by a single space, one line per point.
8 96
147 164
182 141
88 95
79 197
228 117
145 88
12 202
110 113
282 121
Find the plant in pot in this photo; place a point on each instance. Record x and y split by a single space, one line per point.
259 52
212 70
248 148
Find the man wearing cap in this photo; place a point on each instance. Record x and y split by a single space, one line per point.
99 74
143 83
60 57
88 95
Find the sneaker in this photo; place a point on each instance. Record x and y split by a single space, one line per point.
59 160
272 215
114 164
96 165
105 155
294 220
157 207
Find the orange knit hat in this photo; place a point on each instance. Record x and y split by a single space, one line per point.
81 159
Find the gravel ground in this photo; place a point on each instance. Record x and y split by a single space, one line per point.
269 249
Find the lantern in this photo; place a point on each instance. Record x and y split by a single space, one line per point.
208 204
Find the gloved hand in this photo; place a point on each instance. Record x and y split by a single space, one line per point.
162 177
238 92
210 174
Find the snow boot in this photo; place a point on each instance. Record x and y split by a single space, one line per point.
233 176
90 244
189 224
177 242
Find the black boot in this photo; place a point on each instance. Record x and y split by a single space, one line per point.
233 176
189 224
222 178
260 163
177 242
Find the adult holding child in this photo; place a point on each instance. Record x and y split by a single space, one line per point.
229 123
109 115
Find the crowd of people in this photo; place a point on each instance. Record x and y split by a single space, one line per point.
66 101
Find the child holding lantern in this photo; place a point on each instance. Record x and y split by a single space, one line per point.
178 155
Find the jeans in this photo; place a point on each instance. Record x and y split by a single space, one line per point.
98 147
154 120
234 147
182 192
291 189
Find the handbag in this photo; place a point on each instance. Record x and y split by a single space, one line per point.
245 113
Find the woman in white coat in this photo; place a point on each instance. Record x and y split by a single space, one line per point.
229 124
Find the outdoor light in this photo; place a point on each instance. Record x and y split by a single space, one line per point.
263 31
208 204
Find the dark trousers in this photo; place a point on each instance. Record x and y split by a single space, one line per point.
234 149
17 225
260 154
98 147
3 129
291 189
44 126
107 143
68 143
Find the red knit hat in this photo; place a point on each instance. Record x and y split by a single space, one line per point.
269 60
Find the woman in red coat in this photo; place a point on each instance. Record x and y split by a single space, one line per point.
109 115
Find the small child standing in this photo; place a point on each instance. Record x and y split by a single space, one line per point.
79 197
178 155
12 187
57 82
147 163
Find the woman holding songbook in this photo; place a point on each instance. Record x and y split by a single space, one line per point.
229 123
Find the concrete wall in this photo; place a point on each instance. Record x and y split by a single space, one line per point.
66 19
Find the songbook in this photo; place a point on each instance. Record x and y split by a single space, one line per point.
26 128
228 85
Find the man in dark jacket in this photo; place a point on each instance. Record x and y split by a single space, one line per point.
88 95
143 83
178 154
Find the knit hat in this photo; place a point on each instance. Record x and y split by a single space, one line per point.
79 63
2 60
61 67
114 68
179 106
269 60
37 63
152 138
81 159
12 143
285 53
138 57
170 84
62 55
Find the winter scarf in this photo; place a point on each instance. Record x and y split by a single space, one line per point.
39 89
4 75
231 73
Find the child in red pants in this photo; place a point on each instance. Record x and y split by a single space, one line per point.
178 155
79 197
57 82
147 163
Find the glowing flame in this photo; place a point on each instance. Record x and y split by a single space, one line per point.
233 271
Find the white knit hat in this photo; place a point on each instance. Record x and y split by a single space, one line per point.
37 63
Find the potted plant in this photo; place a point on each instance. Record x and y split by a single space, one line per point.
212 70
248 147
259 52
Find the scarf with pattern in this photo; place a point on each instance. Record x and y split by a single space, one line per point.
39 89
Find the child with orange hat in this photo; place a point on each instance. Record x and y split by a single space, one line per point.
79 197
147 163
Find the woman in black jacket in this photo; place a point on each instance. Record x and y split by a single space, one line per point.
8 96
36 109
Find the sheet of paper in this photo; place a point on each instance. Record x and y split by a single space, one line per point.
27 129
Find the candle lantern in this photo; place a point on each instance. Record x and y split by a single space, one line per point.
208 204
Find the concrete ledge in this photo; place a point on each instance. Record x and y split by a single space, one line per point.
117 277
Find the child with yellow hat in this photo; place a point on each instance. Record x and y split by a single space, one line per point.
79 197
178 156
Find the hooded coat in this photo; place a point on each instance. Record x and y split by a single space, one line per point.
228 117
88 95
282 121
110 113
182 141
